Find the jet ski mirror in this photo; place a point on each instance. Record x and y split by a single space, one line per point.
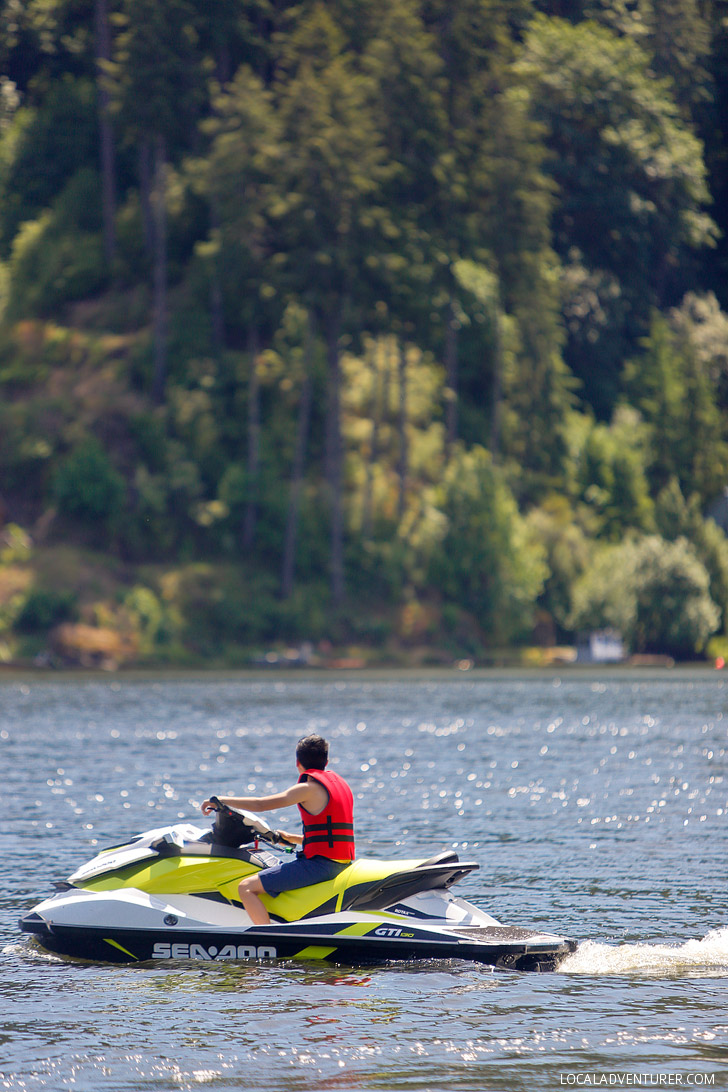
235 828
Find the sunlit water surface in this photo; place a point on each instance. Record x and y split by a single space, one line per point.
597 807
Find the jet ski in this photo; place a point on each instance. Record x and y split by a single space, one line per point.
172 894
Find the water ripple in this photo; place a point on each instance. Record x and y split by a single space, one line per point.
596 807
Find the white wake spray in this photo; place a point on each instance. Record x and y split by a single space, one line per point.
705 958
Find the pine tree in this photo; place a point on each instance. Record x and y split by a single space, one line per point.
158 92
328 214
630 176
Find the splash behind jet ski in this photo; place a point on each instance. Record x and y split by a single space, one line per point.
172 894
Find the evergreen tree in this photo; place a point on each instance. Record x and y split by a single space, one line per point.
679 40
487 561
476 43
328 216
631 177
238 180
408 87
103 49
158 92
671 385
678 517
715 135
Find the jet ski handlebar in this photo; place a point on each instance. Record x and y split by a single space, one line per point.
238 819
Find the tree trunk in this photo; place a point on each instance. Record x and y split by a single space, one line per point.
106 135
251 510
299 464
497 386
223 64
161 320
451 376
377 403
217 308
146 200
403 459
217 314
335 460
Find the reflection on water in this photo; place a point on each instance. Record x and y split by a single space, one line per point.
596 808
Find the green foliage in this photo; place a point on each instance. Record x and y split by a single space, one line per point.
675 33
450 225
87 487
44 608
717 650
331 218
4 289
486 561
155 621
239 178
150 438
655 593
233 489
304 616
631 178
15 545
58 257
167 499
680 42
701 327
225 606
407 73
677 518
157 74
25 452
568 551
50 269
635 168
674 386
378 418
41 149
610 474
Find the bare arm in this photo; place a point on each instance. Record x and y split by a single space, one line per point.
294 839
302 793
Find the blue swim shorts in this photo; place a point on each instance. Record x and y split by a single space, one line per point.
300 872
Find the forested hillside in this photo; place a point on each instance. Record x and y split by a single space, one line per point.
383 325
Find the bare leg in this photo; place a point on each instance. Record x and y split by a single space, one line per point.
249 890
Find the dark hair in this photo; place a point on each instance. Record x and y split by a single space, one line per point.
312 752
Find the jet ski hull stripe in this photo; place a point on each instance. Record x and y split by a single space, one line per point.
121 948
315 951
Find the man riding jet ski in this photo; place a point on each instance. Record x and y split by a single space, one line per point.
184 892
326 804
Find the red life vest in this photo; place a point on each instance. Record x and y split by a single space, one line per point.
331 832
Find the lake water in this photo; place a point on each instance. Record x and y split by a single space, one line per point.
597 806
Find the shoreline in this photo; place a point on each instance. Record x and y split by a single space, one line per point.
380 673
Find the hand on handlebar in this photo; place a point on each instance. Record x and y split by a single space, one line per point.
279 837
